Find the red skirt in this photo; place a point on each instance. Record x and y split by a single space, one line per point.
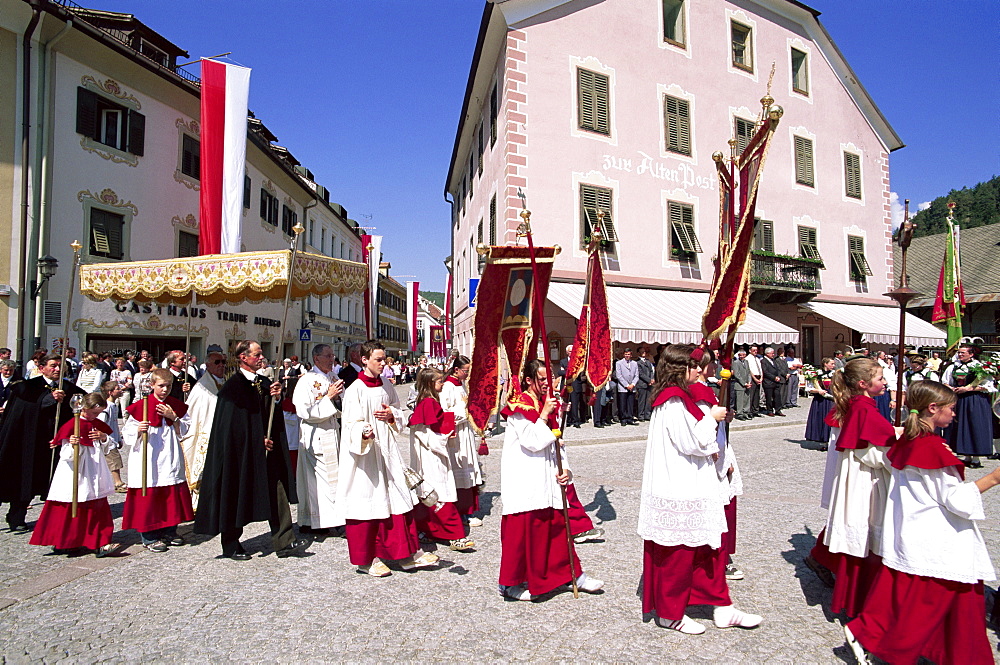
391 538
160 508
468 500
579 520
729 537
822 553
441 522
533 551
91 528
908 616
853 578
678 576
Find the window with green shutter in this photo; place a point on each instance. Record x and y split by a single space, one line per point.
493 220
744 133
763 236
494 108
683 235
800 72
804 162
859 264
187 244
191 156
677 124
673 22
808 248
742 38
112 124
852 175
595 200
106 232
593 101
482 146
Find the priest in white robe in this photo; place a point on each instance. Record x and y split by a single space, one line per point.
201 411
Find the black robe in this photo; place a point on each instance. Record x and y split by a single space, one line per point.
177 387
240 477
27 427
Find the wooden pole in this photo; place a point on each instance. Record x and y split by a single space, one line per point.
902 295
297 230
540 312
63 345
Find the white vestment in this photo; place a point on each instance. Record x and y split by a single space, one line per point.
464 455
528 466
319 449
165 456
858 497
95 479
430 457
371 482
680 502
201 413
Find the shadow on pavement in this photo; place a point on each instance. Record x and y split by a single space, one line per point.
605 511
814 591
805 444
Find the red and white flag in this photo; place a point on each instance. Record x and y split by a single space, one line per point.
412 309
225 92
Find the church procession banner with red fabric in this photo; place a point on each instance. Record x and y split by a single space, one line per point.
412 295
507 328
225 91
371 255
730 294
592 343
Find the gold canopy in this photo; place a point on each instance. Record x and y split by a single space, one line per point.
219 278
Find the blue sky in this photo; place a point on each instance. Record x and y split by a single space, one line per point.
367 94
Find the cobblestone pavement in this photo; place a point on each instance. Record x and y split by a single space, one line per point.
189 605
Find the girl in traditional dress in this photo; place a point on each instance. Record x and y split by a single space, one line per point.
463 454
166 501
93 525
820 386
432 434
971 434
681 518
927 599
850 545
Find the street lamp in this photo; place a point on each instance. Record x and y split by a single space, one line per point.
47 267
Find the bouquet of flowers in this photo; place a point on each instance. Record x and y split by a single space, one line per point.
810 373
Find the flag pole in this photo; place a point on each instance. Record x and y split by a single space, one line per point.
539 305
63 344
296 230
902 295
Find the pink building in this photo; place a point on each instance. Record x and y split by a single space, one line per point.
617 106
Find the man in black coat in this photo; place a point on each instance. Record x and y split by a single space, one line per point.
248 476
28 425
773 382
183 381
646 372
349 372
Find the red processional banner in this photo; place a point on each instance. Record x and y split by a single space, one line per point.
592 343
439 347
506 326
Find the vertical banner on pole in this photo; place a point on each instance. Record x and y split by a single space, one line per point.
371 254
412 293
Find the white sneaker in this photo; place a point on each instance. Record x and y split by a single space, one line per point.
733 573
685 625
589 584
859 651
475 521
728 616
516 592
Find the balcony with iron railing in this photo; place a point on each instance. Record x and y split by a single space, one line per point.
777 278
130 40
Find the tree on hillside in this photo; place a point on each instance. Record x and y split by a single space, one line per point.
974 206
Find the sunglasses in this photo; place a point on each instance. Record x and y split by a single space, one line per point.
218 362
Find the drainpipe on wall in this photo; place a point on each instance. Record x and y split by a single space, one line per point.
25 275
41 181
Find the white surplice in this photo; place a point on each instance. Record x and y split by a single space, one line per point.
201 413
95 480
429 456
680 504
465 454
318 465
165 456
528 467
371 483
930 526
858 496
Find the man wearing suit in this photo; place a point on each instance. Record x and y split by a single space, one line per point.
838 360
741 384
773 382
348 373
183 382
783 370
627 373
757 378
646 371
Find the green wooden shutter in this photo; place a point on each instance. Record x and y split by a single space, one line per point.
677 128
763 236
593 101
852 175
494 108
493 220
804 162
683 232
807 243
744 132
593 200
86 113
859 264
136 133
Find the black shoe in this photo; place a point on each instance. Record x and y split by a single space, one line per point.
238 556
994 456
20 528
624 423
633 422
576 425
176 541
598 425
295 549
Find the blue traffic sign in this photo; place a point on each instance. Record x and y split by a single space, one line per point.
305 335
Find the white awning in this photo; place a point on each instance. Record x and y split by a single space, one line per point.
879 325
658 316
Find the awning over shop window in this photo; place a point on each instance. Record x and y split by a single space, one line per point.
658 316
879 325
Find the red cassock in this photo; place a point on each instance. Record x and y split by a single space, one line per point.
391 539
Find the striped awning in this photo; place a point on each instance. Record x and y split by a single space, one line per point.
879 325
659 316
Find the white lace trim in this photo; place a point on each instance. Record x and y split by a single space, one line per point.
674 521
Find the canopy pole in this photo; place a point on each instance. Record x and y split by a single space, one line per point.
297 230
63 344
